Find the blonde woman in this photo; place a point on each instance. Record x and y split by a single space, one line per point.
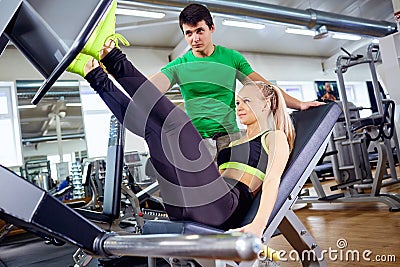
258 159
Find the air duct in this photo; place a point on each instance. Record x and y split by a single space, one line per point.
30 94
33 140
309 18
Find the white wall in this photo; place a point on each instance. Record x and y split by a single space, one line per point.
10 134
294 68
51 148
14 66
389 71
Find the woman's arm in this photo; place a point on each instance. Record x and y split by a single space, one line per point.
278 155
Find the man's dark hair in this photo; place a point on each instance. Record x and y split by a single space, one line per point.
193 14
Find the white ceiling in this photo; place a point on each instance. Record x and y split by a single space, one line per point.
165 33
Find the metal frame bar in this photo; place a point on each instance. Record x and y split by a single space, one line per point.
8 9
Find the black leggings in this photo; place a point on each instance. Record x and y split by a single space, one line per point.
190 183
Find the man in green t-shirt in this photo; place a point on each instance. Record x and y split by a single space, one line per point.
207 76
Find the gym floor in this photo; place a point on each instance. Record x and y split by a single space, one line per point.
344 229
29 250
350 228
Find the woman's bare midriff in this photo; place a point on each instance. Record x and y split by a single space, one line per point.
253 182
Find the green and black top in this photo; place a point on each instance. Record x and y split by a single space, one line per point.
250 156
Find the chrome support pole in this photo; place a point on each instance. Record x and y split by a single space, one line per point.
232 246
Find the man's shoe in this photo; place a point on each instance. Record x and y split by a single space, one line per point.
78 64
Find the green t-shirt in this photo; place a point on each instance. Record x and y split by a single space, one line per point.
208 88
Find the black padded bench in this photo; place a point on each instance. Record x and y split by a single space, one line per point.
378 120
313 129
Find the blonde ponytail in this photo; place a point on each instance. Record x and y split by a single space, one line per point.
278 108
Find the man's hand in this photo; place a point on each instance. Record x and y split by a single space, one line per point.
309 104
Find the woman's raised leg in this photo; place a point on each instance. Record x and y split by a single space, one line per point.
191 185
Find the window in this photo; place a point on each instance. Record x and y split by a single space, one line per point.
10 134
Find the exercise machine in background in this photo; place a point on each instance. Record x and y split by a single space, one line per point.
113 182
353 140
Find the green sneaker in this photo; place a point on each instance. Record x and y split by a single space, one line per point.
104 30
119 37
78 64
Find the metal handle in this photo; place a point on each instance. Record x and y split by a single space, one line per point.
232 246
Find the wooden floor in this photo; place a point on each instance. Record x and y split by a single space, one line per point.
361 226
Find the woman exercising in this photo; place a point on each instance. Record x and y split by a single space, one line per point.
192 186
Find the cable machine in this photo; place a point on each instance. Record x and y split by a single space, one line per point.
353 136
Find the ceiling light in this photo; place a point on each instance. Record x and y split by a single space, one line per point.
321 32
139 13
346 36
26 106
243 24
300 31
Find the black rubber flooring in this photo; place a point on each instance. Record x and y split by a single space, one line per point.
29 250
